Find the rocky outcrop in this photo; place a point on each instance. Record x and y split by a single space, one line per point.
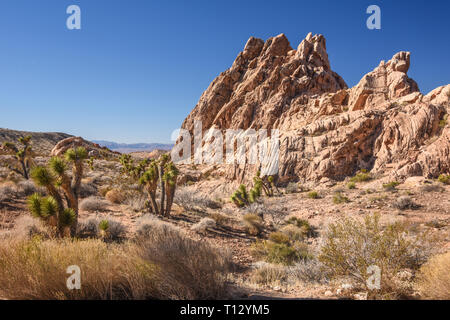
383 124
94 150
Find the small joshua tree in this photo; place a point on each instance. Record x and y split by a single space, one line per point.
23 156
242 198
60 208
132 170
162 173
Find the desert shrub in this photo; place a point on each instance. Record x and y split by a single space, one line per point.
431 187
7 192
309 271
280 253
204 225
294 233
313 195
279 237
220 219
391 186
115 196
192 201
302 224
253 223
92 204
87 190
443 121
37 270
87 228
445 179
137 202
351 185
180 275
339 198
276 211
269 274
361 177
434 278
351 247
292 187
26 227
404 202
27 188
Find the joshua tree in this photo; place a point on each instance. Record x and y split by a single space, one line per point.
242 198
23 156
60 208
163 173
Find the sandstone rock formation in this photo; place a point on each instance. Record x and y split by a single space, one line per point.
383 124
93 149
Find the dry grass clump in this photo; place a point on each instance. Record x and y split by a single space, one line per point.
87 190
161 264
8 191
313 195
37 270
269 274
27 188
434 278
351 247
292 187
189 200
93 204
108 229
339 198
253 224
26 227
204 225
115 196
279 249
403 203
189 269
391 186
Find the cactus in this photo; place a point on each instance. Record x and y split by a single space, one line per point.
162 173
23 156
62 189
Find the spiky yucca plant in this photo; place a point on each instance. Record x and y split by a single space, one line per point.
23 155
60 208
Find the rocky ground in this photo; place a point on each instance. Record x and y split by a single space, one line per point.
431 211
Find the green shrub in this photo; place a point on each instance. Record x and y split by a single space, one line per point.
443 121
279 237
361 176
313 195
351 247
303 225
351 185
391 185
444 179
280 253
339 198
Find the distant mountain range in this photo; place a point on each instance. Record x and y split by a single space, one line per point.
133 147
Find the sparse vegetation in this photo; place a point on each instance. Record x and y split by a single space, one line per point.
434 278
252 223
22 154
280 253
339 198
404 202
445 179
351 185
93 204
243 198
443 121
361 176
351 247
115 196
313 195
203 225
391 186
292 187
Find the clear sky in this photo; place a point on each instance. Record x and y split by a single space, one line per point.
137 67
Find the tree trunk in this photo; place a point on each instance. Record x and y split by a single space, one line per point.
162 186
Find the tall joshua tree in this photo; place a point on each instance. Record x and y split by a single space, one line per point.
162 173
23 156
60 208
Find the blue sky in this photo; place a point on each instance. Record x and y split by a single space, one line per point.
137 68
